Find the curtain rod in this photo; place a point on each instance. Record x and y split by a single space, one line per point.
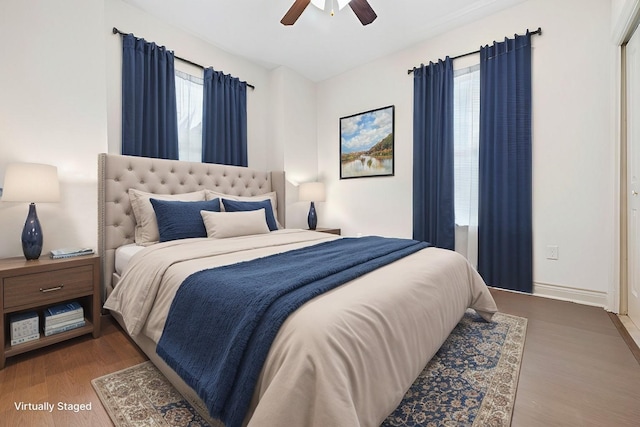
117 31
538 31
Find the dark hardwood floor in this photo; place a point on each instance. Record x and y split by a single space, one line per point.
63 373
577 371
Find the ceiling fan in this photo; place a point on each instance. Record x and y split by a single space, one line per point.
361 8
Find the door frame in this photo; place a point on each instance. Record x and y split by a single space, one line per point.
624 215
622 31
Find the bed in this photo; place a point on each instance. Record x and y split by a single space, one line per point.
344 357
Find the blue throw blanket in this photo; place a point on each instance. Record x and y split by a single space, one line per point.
223 320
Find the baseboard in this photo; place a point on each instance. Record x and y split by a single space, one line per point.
564 293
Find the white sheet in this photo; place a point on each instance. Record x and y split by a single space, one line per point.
346 357
124 255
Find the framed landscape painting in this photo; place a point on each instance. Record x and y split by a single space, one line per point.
366 144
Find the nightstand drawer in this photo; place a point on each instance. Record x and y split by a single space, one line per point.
53 286
38 284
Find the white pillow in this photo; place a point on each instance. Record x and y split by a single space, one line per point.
146 232
221 225
211 194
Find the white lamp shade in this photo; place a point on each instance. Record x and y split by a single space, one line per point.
311 192
342 3
31 182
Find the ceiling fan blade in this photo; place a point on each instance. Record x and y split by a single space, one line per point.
363 11
294 12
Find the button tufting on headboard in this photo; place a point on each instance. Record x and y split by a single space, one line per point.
118 173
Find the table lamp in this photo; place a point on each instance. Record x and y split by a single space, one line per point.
31 182
312 192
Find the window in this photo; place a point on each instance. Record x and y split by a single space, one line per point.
189 99
466 136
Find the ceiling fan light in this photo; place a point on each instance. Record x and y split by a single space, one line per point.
342 3
318 3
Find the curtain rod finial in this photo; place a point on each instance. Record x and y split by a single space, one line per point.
115 30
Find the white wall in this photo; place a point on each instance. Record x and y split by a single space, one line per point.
293 127
573 140
53 110
60 103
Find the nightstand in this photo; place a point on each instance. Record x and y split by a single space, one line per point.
38 284
328 230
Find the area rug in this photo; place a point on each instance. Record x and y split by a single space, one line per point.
471 381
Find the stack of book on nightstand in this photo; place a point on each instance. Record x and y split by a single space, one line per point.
24 327
63 317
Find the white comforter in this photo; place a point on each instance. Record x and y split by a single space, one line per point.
345 358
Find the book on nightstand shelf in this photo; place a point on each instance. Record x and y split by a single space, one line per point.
64 327
24 327
63 317
61 311
23 340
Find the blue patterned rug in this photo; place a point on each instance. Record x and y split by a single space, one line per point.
471 381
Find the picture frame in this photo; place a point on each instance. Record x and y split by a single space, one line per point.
367 144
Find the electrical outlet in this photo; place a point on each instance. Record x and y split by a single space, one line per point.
552 252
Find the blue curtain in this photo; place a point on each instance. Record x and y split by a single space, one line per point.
433 196
224 122
149 120
505 188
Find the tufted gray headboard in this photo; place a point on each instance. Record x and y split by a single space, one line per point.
117 173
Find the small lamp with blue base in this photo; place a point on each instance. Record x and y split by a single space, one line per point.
312 192
31 182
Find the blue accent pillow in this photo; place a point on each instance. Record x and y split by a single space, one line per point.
182 220
238 206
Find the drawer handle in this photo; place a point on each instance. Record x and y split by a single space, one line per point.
55 288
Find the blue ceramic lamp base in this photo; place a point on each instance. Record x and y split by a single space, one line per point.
32 235
312 218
